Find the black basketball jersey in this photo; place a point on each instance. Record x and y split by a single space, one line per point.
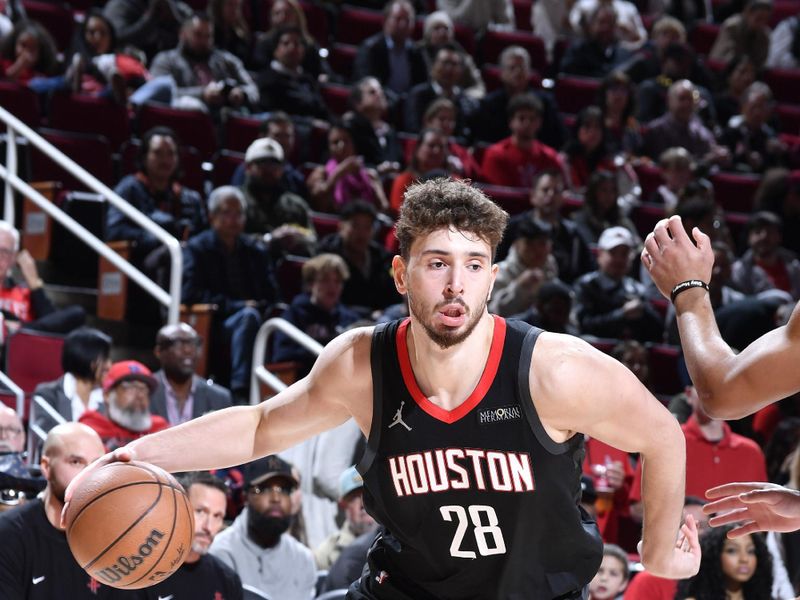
477 502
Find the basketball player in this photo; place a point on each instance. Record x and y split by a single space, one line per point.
729 385
474 458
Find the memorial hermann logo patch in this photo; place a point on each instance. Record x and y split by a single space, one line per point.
499 415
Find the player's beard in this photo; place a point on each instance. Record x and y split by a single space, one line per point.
449 337
265 530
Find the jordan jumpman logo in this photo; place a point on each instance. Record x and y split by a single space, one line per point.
398 418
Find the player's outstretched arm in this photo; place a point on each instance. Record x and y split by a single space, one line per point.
729 385
576 388
756 506
333 391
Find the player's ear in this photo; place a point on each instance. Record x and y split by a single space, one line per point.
494 270
399 272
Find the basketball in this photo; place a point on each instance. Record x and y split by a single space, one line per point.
130 525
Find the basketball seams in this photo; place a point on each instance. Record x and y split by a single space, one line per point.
169 539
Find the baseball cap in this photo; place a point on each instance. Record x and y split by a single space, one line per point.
350 480
266 468
264 149
129 370
615 236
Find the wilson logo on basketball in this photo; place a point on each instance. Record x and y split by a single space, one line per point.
125 565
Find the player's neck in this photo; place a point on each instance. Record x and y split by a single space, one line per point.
52 508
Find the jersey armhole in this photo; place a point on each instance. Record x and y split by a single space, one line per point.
376 366
524 392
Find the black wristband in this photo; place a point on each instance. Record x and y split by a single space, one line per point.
686 285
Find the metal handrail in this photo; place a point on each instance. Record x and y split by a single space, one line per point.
171 299
259 371
16 390
37 435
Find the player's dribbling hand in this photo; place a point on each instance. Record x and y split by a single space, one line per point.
671 257
756 506
684 561
123 454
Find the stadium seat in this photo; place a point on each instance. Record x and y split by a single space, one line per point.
317 20
522 14
289 276
239 131
341 59
354 25
783 9
664 360
336 98
90 151
191 164
646 215
225 165
495 41
789 118
574 93
55 17
650 177
20 101
33 358
785 84
702 37
735 192
512 200
90 114
193 127
325 224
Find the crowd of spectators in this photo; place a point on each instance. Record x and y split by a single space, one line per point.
588 121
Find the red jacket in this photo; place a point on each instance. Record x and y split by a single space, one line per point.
113 435
505 163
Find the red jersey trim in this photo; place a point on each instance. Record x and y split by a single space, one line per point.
484 383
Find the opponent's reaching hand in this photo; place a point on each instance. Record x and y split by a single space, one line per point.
671 257
123 454
758 506
684 561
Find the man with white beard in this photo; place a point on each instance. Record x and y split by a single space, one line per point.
125 414
202 576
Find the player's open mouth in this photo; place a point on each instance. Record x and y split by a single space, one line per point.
453 315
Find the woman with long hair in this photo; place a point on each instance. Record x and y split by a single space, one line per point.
737 569
28 54
617 102
601 208
587 150
231 31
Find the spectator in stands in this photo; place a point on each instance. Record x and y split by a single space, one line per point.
515 160
150 25
766 265
677 169
344 178
550 21
480 15
222 266
430 159
231 31
85 360
318 311
27 305
370 283
601 209
390 55
284 85
612 576
746 34
272 207
35 560
446 73
610 303
206 78
547 198
257 546
738 76
284 13
552 309
357 521
125 414
350 564
490 121
280 127
28 56
586 152
633 355
438 30
374 138
676 64
182 394
680 126
12 431
529 265
784 45
779 193
753 145
646 63
740 567
202 574
617 101
155 191
629 28
441 115
600 52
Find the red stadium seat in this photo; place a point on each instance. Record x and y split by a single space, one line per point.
646 215
664 376
290 277
240 131
512 200
20 101
90 114
33 358
357 24
789 118
317 20
650 177
194 128
336 98
55 17
494 42
783 9
522 14
90 151
735 192
325 224
784 83
225 165
702 37
341 59
574 93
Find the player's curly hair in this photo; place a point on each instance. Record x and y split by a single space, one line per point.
709 583
446 203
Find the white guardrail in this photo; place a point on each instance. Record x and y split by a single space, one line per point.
172 298
260 372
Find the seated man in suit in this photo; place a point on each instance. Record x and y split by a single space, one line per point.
182 395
